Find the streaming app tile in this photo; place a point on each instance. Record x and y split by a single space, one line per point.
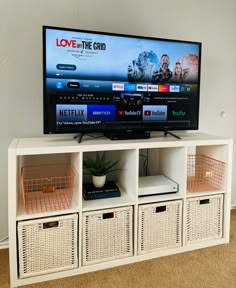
174 88
101 113
141 87
154 112
71 113
117 86
130 87
153 88
163 88
185 88
135 115
178 113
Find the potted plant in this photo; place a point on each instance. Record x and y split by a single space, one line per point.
98 168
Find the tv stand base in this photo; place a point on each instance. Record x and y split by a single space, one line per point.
129 134
79 136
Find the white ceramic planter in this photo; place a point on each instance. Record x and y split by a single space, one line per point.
99 181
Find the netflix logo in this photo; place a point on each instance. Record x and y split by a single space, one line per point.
118 87
72 113
66 113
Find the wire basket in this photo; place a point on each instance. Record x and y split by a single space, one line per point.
107 235
204 174
204 218
47 187
160 226
47 245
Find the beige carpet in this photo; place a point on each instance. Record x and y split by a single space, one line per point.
213 267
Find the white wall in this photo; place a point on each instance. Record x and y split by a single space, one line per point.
211 22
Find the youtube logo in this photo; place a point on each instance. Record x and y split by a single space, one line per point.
154 112
121 113
153 88
147 113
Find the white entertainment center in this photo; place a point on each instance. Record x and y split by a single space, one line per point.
87 236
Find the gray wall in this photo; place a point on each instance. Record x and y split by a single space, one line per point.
211 22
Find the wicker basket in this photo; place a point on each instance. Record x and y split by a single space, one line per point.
204 174
47 245
160 226
107 235
47 187
204 218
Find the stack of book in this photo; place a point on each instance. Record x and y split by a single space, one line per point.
109 190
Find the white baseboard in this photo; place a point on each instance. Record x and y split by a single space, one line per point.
4 245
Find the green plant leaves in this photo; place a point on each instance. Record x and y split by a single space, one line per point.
100 166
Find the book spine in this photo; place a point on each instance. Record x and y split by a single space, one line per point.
101 191
101 195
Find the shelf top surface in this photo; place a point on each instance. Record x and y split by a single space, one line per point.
66 143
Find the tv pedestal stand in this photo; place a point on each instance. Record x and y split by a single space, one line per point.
79 136
172 134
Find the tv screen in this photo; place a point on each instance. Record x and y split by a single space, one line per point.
105 82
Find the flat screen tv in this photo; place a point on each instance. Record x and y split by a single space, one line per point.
124 86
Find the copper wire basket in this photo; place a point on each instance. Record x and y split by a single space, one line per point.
47 187
204 174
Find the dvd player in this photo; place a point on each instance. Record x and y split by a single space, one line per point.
158 184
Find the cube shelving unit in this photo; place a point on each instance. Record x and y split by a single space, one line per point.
146 227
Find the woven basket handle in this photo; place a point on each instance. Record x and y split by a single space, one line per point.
160 209
52 224
108 215
204 201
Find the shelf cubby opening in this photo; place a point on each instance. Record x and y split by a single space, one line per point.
168 162
48 183
124 178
